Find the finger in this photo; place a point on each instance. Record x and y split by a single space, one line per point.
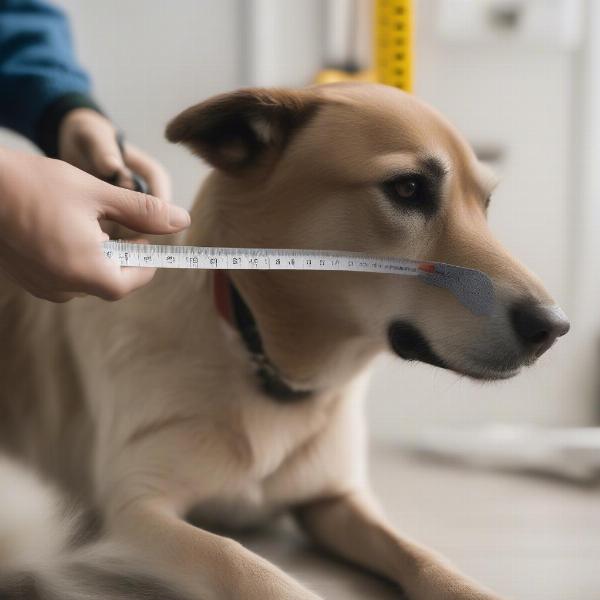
108 280
93 275
133 278
113 282
152 171
142 212
41 288
56 297
138 240
45 292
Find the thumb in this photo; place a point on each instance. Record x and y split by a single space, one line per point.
142 212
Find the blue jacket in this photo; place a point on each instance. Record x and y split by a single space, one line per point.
40 78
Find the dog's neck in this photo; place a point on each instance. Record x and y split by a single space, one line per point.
309 343
231 307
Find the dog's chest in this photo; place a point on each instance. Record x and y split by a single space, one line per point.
275 450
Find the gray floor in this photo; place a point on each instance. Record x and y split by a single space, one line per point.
527 538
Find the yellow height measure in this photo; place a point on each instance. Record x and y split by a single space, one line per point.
393 38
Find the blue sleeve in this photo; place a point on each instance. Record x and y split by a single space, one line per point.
38 69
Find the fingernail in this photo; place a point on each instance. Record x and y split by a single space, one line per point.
178 217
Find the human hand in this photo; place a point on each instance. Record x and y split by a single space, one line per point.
88 141
50 236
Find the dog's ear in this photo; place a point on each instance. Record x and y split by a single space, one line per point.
245 129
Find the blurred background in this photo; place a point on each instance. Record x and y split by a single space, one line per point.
518 77
521 79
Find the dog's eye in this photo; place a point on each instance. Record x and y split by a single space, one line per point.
414 192
406 189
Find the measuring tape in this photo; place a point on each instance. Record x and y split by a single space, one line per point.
473 288
393 66
393 39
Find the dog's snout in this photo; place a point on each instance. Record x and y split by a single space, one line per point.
538 326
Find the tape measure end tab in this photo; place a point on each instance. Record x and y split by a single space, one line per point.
427 267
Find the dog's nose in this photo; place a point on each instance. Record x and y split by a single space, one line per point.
538 326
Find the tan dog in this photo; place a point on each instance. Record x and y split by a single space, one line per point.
171 402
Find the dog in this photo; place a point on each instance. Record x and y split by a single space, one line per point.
212 400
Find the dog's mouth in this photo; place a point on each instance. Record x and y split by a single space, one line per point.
409 343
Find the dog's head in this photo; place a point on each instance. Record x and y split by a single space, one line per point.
364 168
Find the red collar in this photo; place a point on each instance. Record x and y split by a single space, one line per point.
222 297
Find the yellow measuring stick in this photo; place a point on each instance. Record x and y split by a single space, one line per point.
392 48
393 37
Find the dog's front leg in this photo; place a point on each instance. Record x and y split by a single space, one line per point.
211 567
353 527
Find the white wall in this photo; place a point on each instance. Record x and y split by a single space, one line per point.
519 96
283 41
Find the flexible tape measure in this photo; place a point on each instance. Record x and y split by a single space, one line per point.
473 288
